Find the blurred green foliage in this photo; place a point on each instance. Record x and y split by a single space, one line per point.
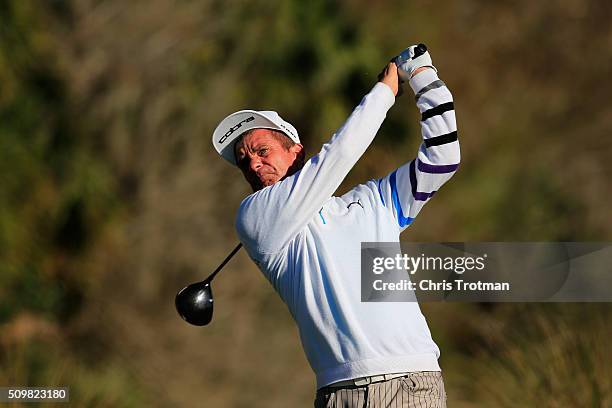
56 194
111 197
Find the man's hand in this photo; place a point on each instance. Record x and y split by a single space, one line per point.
389 77
413 60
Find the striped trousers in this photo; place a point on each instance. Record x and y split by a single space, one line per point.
418 389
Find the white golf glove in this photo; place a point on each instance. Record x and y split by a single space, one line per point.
412 58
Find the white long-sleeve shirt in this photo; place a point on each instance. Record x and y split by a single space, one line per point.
308 243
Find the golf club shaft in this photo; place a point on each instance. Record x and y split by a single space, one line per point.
226 260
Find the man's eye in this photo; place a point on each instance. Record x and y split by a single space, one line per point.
263 152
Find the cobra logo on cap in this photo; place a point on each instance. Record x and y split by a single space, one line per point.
235 128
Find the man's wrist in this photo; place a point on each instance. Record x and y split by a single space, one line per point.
420 69
424 78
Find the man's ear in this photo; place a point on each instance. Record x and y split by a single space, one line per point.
299 151
297 148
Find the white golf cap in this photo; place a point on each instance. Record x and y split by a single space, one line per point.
233 126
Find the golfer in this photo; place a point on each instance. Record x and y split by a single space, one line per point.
306 241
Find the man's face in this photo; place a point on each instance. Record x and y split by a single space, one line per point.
264 160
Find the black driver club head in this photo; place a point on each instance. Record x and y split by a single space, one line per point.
194 303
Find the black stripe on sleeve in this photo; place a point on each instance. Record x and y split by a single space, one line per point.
440 140
438 110
435 84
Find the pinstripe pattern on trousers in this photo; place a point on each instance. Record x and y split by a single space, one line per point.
424 389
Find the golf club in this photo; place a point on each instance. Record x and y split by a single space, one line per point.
194 303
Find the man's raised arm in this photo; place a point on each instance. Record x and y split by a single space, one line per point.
405 190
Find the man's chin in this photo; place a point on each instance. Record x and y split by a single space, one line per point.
259 184
269 182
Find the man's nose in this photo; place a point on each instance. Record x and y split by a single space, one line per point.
255 163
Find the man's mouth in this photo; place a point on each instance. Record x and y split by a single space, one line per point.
266 179
264 175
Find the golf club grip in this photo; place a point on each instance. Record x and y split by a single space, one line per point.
226 260
419 50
